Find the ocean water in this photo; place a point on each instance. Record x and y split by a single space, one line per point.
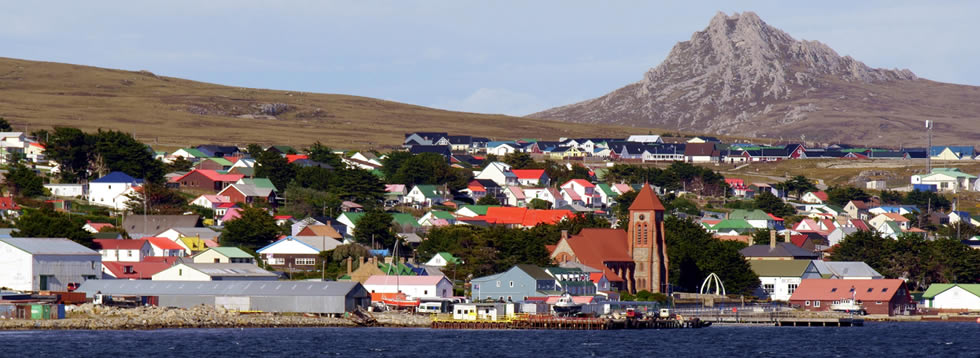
872 340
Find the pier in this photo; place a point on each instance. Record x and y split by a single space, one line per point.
776 318
566 323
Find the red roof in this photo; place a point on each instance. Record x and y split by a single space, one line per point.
774 217
822 195
506 214
836 289
798 240
860 224
294 157
7 203
97 226
538 217
282 217
595 247
213 175
163 243
36 144
528 173
646 199
113 244
580 182
138 270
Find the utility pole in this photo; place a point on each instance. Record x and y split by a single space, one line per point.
929 148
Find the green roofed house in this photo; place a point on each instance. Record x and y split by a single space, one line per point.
952 296
443 259
191 154
435 217
224 255
474 210
756 218
947 179
606 194
261 183
425 195
738 226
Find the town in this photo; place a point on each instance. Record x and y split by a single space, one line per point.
475 229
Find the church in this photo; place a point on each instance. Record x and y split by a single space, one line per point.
633 260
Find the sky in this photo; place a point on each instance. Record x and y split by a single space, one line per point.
510 57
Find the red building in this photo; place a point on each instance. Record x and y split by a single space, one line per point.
209 180
883 297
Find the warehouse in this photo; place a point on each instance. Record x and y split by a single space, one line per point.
265 296
36 264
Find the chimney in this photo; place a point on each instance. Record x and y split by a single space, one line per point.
564 234
786 236
401 260
772 239
350 262
389 259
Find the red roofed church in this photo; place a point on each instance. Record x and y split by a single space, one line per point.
633 260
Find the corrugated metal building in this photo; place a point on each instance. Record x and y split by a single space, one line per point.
266 296
37 264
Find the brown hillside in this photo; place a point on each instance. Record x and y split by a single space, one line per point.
172 112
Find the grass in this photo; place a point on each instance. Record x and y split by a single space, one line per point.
169 112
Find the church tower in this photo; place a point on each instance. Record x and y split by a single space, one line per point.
646 243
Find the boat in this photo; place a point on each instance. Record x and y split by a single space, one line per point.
399 300
566 305
848 306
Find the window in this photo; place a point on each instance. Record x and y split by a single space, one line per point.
816 303
180 272
807 303
769 288
278 261
511 283
870 289
792 287
498 283
833 289
305 261
884 289
129 253
877 302
217 260
426 292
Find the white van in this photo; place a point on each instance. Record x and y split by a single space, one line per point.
430 307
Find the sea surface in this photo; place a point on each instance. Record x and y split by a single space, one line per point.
872 340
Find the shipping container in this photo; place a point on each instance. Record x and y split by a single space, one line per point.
61 312
8 311
37 312
924 187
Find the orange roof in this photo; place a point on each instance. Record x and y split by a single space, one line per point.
507 214
163 243
294 157
528 173
581 182
213 175
646 199
896 217
836 289
538 217
595 247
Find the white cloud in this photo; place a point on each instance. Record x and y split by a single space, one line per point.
496 101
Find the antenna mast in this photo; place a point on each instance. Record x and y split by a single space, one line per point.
929 148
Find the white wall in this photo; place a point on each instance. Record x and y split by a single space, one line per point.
16 270
415 291
102 194
956 298
781 286
181 272
66 190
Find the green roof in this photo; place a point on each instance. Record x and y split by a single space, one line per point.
478 209
284 148
222 161
449 257
607 189
194 152
732 224
378 173
937 288
836 208
354 217
396 269
430 191
231 252
246 171
403 219
779 268
953 172
748 215
260 183
439 214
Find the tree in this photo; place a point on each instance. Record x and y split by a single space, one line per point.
520 160
323 154
119 151
253 230
71 149
890 197
46 222
799 185
5 126
156 199
254 150
926 199
392 162
375 227
694 254
488 200
841 195
762 237
424 168
622 208
539 204
178 165
769 203
23 181
275 167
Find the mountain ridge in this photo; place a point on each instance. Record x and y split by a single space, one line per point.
741 76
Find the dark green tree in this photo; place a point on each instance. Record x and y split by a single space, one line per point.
46 222
488 200
927 199
890 197
798 185
539 204
375 227
119 151
769 203
425 168
179 165
275 167
839 195
254 150
622 208
694 254
253 230
71 149
155 199
392 163
520 160
323 154
23 181
5 126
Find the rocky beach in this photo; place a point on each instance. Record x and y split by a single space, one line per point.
92 317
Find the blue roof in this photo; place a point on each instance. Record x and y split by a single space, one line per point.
496 143
962 214
118 177
381 252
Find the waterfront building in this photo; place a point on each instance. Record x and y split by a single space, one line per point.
881 297
39 264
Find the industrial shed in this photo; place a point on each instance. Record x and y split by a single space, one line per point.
265 296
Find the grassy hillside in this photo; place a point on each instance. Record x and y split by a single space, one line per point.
170 112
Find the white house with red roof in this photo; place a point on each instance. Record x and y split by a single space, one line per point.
531 177
95 227
815 197
579 191
123 250
9 208
515 196
210 201
162 246
34 152
411 286
136 270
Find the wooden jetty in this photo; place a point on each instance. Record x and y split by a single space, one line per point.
566 323
780 319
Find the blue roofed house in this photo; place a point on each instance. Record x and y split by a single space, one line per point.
516 284
110 190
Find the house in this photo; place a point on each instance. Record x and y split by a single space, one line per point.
652 138
899 209
840 233
68 190
531 177
947 179
501 149
135 270
164 247
93 227
473 210
952 152
777 251
815 197
123 250
953 296
34 152
210 201
108 191
443 150
959 216
756 218
851 270
139 226
215 164
579 191
425 195
443 259
36 264
426 138
514 196
550 195
223 255
516 284
479 188
879 297
316 231
394 194
857 209
11 144
402 222
189 154
220 151
291 253
437 218
412 286
214 272
780 278
880 219
499 173
207 180
249 190
701 153
177 232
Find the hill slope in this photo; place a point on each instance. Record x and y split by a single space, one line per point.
172 112
742 76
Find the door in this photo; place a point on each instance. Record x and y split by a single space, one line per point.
44 282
